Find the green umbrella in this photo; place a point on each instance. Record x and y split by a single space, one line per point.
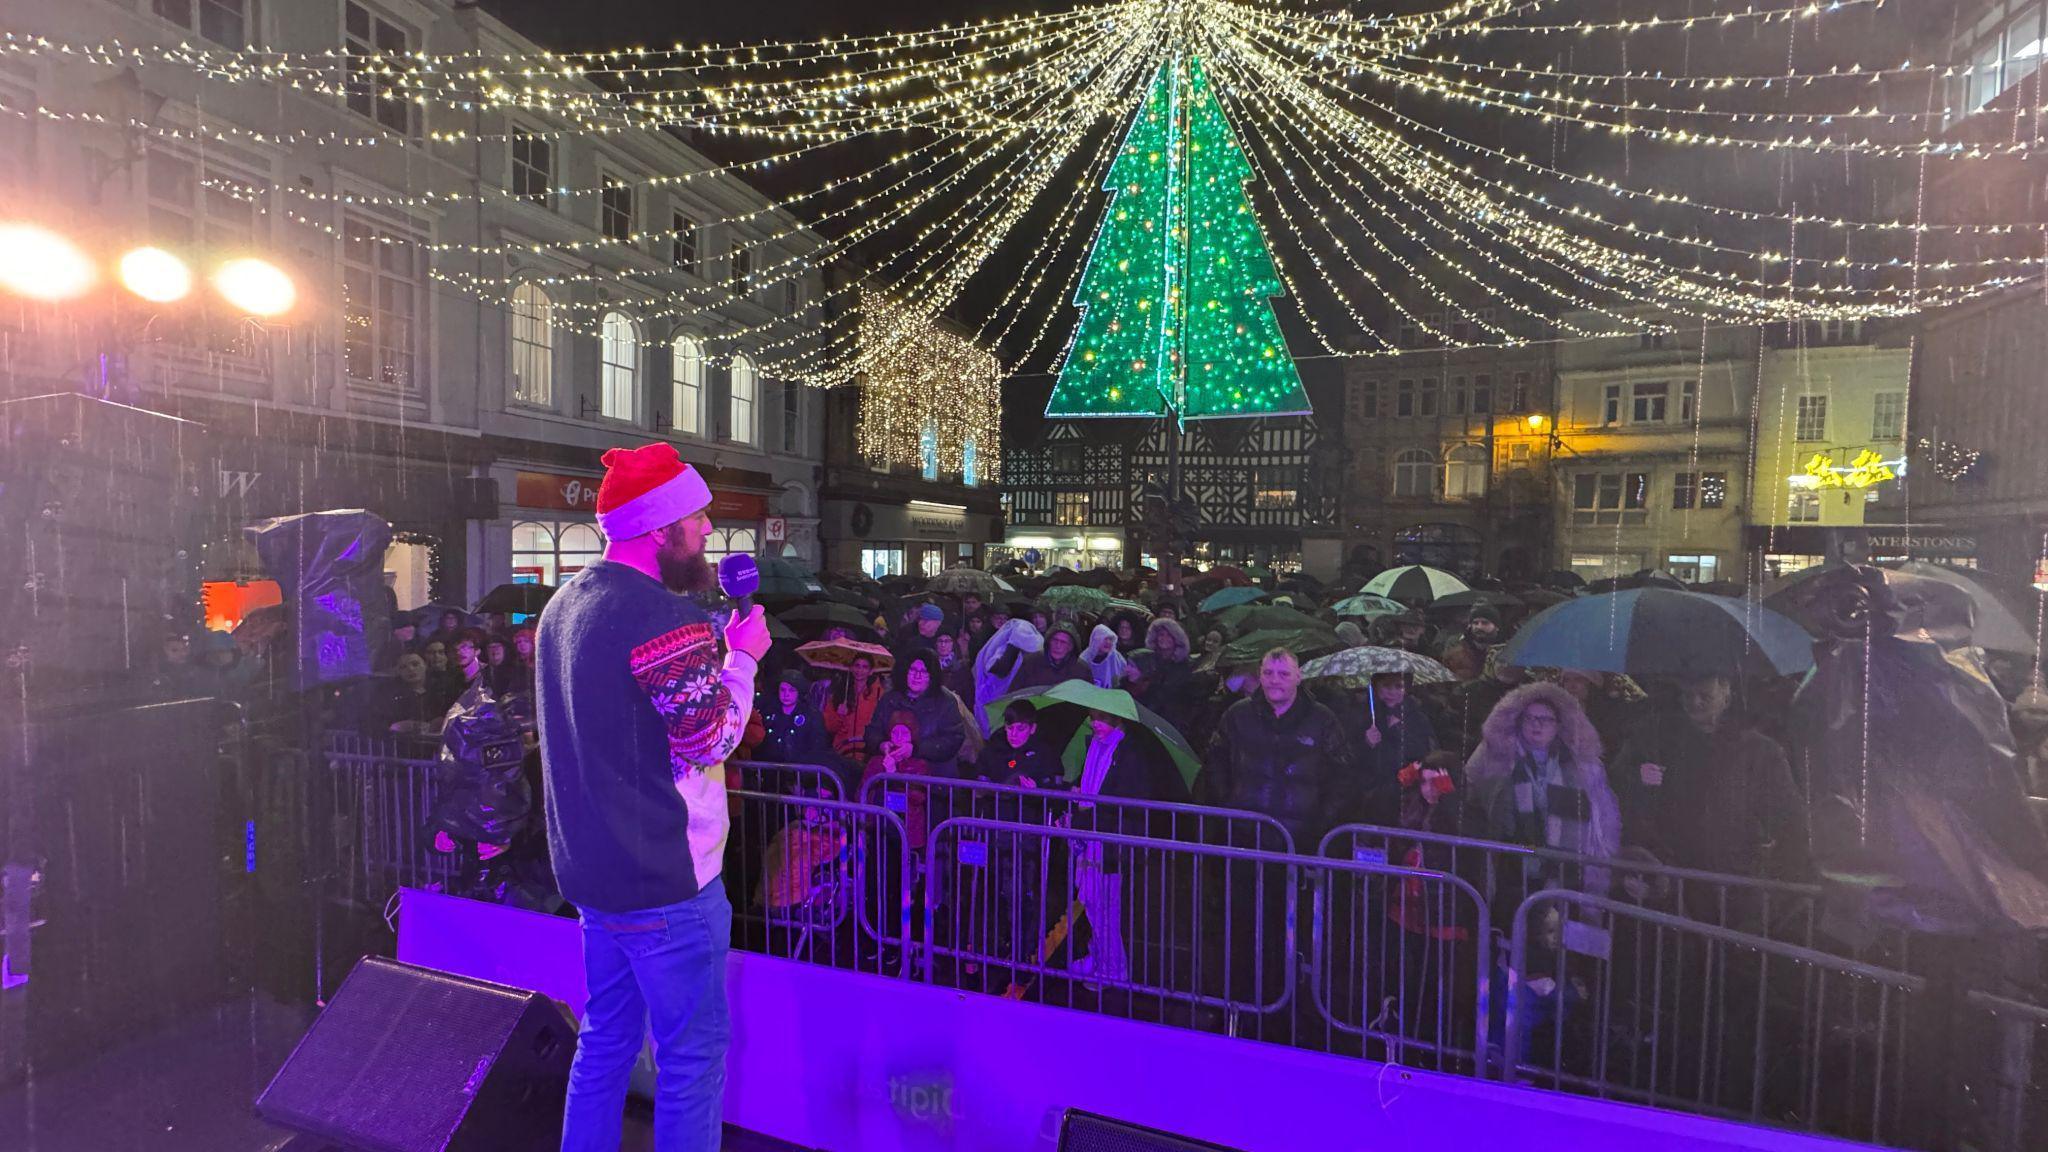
1231 598
1082 694
1073 598
1253 617
1368 605
1303 642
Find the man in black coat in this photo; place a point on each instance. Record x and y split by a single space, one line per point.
1276 752
1390 731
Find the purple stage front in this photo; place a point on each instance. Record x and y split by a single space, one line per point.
831 1059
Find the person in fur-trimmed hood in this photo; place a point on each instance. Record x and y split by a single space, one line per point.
1537 779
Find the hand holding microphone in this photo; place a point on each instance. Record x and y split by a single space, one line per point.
747 630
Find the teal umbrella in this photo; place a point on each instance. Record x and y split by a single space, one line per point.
1368 605
1231 598
1085 696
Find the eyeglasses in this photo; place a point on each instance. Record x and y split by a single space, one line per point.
1539 717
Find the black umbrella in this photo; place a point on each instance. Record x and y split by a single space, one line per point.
516 599
816 618
1472 598
1563 578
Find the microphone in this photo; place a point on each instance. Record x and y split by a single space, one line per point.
738 577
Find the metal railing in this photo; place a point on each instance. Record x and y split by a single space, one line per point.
804 873
782 779
1622 1002
1508 874
379 792
936 799
1188 933
2015 1104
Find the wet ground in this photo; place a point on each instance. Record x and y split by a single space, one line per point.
191 1087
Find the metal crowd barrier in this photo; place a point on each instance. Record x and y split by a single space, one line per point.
1179 932
936 799
1508 874
785 779
379 792
804 874
1622 1002
2016 1103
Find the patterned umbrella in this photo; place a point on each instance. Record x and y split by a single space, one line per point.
1356 667
1368 605
839 655
1414 585
963 581
1230 598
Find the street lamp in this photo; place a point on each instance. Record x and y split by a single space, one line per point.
155 275
41 265
1535 421
255 287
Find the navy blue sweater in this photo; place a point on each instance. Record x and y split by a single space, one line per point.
638 709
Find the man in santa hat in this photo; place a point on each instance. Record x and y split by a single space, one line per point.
639 705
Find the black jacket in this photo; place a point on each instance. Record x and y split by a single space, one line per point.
940 731
1002 764
1282 766
794 737
1371 789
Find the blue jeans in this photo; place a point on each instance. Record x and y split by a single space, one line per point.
663 969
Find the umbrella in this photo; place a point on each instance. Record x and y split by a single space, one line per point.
1541 597
1224 573
1132 606
822 616
1414 585
1368 605
838 655
1661 632
1472 598
1252 617
515 599
777 630
1231 598
1994 625
1080 695
1303 642
1073 598
963 581
781 577
1356 667
1260 572
1563 578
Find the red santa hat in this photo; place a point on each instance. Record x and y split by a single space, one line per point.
646 488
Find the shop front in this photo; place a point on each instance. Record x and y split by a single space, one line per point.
549 532
1040 548
914 538
1781 550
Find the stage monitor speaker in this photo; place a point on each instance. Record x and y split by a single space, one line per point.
408 1059
1086 1132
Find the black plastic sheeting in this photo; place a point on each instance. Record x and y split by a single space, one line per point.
330 567
1919 810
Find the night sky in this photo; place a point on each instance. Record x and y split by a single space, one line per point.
585 24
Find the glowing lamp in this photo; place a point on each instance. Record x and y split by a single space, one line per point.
1535 422
255 287
155 275
41 265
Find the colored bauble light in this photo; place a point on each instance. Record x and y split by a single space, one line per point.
1182 172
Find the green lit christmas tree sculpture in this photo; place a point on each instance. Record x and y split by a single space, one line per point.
1176 312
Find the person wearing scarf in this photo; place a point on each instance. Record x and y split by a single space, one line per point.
1538 780
1098 880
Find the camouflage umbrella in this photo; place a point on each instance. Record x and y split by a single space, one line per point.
1355 667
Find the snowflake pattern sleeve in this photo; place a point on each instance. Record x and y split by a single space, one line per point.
703 701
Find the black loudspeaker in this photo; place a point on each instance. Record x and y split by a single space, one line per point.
1086 1132
408 1059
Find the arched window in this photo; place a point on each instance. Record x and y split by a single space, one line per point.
619 380
533 346
928 450
687 367
1465 472
1415 472
723 542
746 389
552 552
970 463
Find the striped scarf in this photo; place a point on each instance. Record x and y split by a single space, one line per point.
1549 809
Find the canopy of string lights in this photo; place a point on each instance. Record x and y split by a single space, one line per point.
1131 193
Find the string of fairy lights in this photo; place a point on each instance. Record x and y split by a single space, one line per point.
1451 171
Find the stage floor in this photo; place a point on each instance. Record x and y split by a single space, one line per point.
190 1088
